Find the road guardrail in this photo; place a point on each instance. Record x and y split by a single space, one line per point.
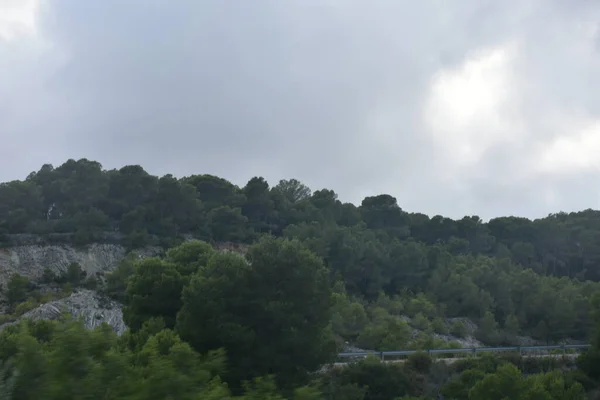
468 350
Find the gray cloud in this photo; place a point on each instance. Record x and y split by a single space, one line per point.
335 93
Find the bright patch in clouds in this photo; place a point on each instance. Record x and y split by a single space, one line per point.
574 152
465 111
17 17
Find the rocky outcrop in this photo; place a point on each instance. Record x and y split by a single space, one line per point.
92 308
30 260
29 255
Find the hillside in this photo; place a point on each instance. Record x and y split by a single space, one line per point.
175 252
534 277
97 261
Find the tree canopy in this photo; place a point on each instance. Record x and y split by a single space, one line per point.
312 275
535 277
80 197
269 310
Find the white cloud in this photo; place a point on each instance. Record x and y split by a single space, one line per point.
468 109
18 18
579 150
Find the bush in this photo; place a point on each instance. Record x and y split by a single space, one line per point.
48 276
137 239
421 305
75 274
439 326
28 305
6 318
459 329
420 322
390 333
393 305
17 289
67 289
82 237
116 281
420 362
488 330
424 341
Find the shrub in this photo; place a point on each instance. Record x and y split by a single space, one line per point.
439 326
28 305
420 322
17 289
48 276
75 274
420 362
459 329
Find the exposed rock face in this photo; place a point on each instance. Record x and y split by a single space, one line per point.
84 304
31 260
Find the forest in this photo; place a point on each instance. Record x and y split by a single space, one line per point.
316 273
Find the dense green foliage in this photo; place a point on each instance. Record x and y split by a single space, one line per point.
483 378
79 197
212 324
51 360
62 360
533 277
270 310
268 314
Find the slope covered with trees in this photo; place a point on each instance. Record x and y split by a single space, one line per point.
315 273
211 325
79 196
509 274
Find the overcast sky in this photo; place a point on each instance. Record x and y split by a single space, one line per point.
454 107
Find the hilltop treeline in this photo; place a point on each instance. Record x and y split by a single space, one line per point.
79 196
510 273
